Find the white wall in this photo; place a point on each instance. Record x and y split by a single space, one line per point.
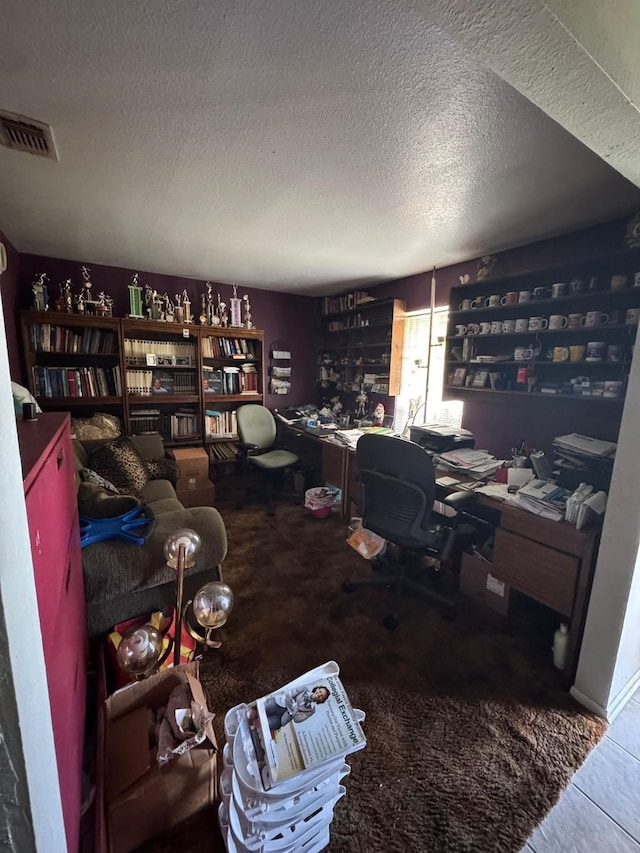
17 589
609 665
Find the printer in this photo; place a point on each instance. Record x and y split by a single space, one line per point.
438 438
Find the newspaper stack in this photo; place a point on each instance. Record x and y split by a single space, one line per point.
474 463
283 764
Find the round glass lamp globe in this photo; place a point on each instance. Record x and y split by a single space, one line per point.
192 543
140 650
212 604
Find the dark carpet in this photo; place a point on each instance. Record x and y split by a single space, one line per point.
471 734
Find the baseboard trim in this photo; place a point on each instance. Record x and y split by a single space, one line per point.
611 712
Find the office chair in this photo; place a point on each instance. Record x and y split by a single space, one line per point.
257 433
398 493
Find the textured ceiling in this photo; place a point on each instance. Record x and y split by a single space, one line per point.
285 145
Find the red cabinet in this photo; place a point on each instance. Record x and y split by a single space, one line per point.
50 497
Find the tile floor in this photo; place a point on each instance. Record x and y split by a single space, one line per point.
600 811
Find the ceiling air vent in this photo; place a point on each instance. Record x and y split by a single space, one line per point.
26 134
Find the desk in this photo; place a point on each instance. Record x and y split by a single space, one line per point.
550 561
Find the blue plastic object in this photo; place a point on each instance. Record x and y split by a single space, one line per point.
134 526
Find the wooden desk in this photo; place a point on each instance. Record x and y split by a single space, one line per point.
550 561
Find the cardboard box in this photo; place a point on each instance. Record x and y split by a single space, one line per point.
194 468
143 800
477 582
203 496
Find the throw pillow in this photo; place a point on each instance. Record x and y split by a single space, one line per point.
96 502
87 475
121 464
163 469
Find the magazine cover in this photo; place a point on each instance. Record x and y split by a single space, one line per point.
299 727
161 382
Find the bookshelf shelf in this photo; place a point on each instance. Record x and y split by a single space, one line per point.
153 400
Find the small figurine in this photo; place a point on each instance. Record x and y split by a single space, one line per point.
79 302
485 265
236 308
248 324
40 293
179 310
378 415
361 400
465 279
336 407
103 307
633 232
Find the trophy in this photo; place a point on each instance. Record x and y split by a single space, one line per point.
68 296
203 312
40 293
104 307
179 310
247 312
135 299
84 301
186 304
221 310
169 310
235 306
210 312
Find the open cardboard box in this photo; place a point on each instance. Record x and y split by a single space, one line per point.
141 799
477 582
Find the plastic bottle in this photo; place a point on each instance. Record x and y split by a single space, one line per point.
560 646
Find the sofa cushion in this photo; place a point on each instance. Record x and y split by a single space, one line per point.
157 490
163 469
121 464
96 502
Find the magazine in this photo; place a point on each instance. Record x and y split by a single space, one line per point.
302 726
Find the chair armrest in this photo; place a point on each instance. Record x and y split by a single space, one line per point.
169 454
458 500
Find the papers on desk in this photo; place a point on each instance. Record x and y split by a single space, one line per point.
584 445
347 437
474 463
443 429
542 498
584 508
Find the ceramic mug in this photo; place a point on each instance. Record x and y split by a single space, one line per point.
558 290
496 327
576 321
596 350
576 286
478 302
618 282
558 321
615 352
636 279
522 324
596 318
508 325
577 353
492 301
522 354
473 329
541 293
536 324
465 305
632 316
525 295
461 330
561 353
612 388
485 328
509 298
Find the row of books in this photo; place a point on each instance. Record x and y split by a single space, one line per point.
229 348
345 302
231 380
181 425
77 382
166 353
149 383
46 337
184 426
220 424
223 450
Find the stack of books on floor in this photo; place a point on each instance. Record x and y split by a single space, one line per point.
223 454
283 764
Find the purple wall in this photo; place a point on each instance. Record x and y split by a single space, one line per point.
9 289
498 422
283 316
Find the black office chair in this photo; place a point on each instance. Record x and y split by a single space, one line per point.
398 493
257 433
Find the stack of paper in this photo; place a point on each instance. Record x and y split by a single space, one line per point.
542 498
475 463
584 445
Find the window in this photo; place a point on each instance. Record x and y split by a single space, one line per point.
411 401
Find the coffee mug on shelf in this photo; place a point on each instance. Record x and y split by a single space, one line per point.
508 325
558 321
465 305
559 289
576 321
594 283
537 324
509 298
618 282
596 350
632 316
496 327
492 301
461 330
478 302
636 279
561 353
541 293
523 354
524 296
576 286
596 318
576 353
615 352
485 328
613 388
473 328
522 324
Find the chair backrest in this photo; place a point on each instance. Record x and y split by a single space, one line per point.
398 487
256 425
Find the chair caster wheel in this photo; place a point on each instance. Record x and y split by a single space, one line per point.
347 586
391 622
449 614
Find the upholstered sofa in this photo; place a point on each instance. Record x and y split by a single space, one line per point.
123 580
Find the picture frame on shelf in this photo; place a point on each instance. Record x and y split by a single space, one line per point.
458 376
480 379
